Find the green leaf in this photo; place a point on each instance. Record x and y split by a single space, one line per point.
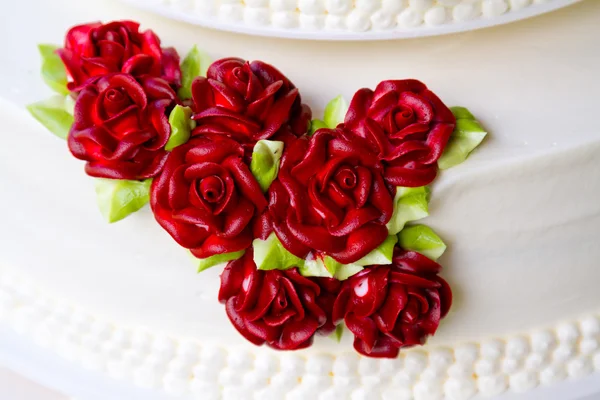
315 125
53 115
335 112
206 263
382 255
270 254
118 198
53 69
323 267
410 204
338 333
265 162
345 271
467 135
422 239
181 126
194 64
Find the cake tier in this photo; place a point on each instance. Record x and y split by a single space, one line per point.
521 219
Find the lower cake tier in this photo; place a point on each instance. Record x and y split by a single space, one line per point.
522 259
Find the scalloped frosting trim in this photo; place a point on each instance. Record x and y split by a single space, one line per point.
339 15
180 366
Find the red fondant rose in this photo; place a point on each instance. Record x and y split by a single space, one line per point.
206 196
121 126
407 125
330 197
98 49
280 308
248 101
389 307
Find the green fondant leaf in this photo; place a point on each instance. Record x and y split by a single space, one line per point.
410 204
118 198
181 126
194 64
53 69
315 125
206 263
53 114
345 271
265 162
422 239
323 267
335 112
270 254
382 255
338 333
467 135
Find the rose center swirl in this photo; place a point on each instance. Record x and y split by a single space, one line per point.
346 178
212 189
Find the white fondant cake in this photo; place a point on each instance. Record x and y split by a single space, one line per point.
521 219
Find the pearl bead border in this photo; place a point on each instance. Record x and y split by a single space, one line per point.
349 19
179 367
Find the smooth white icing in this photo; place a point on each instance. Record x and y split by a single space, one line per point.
525 261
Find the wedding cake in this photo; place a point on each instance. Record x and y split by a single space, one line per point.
217 228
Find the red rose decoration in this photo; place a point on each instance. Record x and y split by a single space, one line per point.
407 125
98 49
206 196
389 307
121 126
248 101
330 197
280 308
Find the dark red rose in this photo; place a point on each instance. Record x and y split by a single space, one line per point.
98 49
407 125
280 308
206 197
249 101
121 126
330 197
389 307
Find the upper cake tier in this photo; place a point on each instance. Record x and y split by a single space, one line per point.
347 19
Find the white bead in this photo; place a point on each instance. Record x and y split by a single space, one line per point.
441 358
432 373
493 8
321 364
284 380
312 22
415 362
517 347
213 357
257 3
188 351
523 381
141 341
466 353
175 385
409 18
389 366
403 378
542 342
579 367
596 360
292 364
460 370
491 385
535 362
365 393
459 389
257 16
510 365
358 21
381 20
485 367
590 326
396 393
146 377
552 374
588 346
435 16
567 333
335 22
345 364
311 7
392 6
239 360
563 353
254 380
206 372
285 19
427 391
420 5
205 391
492 349
284 5
231 12
516 5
